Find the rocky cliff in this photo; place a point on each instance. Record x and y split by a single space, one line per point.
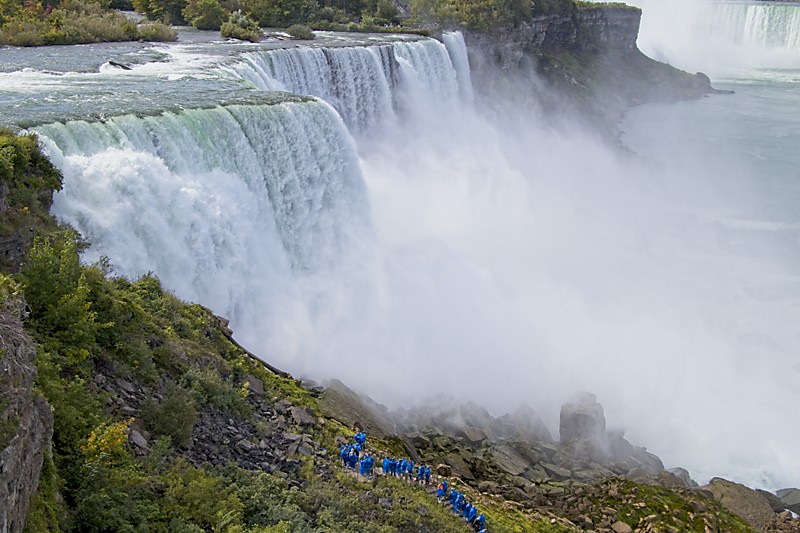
586 63
26 421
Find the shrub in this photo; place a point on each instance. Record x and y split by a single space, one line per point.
175 417
204 14
387 10
157 32
298 31
241 26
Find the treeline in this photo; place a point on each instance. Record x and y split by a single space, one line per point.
487 14
32 23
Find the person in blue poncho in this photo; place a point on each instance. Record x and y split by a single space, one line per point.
343 454
440 492
420 473
428 475
480 522
444 482
385 466
401 467
410 469
473 514
393 466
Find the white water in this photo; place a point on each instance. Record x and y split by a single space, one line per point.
721 38
223 204
503 263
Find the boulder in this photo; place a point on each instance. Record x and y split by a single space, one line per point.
302 416
791 498
776 503
582 420
683 475
753 507
256 385
621 527
508 459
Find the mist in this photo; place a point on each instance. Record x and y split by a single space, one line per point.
503 259
519 264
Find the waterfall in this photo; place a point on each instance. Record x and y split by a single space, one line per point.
457 49
354 80
220 203
721 37
363 83
764 25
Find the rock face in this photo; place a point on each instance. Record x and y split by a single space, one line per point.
583 421
790 498
591 57
26 423
743 501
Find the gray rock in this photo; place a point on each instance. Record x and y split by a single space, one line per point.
683 475
22 448
556 471
256 385
791 497
621 527
582 419
137 439
125 385
776 503
302 417
743 501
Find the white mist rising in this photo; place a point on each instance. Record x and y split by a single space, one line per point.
503 262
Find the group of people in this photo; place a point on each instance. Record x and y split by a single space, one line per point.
462 507
351 455
404 468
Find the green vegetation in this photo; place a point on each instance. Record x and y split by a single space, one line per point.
99 335
70 22
204 14
241 26
487 14
298 31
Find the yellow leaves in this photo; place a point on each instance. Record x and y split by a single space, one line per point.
106 443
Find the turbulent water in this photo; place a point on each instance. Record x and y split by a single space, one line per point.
390 234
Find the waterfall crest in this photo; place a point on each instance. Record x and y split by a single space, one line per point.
363 82
217 202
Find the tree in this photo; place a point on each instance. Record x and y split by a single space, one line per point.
204 14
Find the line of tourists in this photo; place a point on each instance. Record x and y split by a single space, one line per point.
462 507
351 457
404 468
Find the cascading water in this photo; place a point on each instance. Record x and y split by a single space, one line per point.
719 37
357 81
224 204
363 82
496 262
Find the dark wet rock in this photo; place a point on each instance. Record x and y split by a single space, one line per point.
256 386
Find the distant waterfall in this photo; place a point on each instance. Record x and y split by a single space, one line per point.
720 37
217 202
763 25
362 82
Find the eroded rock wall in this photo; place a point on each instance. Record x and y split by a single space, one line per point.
26 422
